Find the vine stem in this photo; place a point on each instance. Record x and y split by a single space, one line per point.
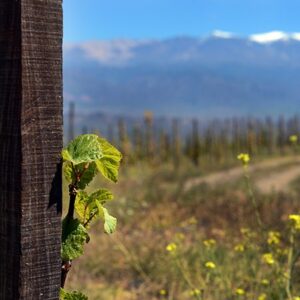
66 265
73 194
65 268
87 222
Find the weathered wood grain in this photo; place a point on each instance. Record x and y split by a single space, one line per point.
30 145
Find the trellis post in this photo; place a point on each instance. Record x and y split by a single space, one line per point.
30 145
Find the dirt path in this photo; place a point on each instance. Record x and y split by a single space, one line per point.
277 181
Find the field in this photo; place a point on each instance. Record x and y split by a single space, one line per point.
202 231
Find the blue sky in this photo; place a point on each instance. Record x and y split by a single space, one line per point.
139 19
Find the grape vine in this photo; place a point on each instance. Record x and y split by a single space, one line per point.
85 157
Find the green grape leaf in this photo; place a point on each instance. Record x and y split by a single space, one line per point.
109 163
74 236
81 205
93 212
66 155
89 207
101 195
110 222
83 149
64 295
68 172
87 176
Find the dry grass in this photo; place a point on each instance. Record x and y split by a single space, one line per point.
153 210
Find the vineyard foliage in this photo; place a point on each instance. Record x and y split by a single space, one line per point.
156 140
83 158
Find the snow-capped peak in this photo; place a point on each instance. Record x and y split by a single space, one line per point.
222 34
261 38
296 36
274 36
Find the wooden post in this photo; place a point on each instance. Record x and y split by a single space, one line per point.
30 145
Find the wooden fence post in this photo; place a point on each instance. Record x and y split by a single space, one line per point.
30 145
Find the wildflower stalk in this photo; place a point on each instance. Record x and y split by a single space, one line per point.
245 159
186 277
294 141
290 265
131 258
252 198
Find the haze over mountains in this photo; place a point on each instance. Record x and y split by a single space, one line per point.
221 75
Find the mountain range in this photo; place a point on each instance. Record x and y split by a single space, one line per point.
221 75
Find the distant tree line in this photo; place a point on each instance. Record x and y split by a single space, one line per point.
216 141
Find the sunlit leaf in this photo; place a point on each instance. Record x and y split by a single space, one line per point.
66 155
87 175
68 172
101 195
81 205
74 236
89 207
86 172
110 222
109 163
64 295
83 149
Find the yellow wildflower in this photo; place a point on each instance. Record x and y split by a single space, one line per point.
265 282
192 221
240 291
171 247
239 248
209 243
295 220
210 265
296 298
273 238
195 292
262 297
268 259
163 292
293 139
244 158
180 236
282 252
247 233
